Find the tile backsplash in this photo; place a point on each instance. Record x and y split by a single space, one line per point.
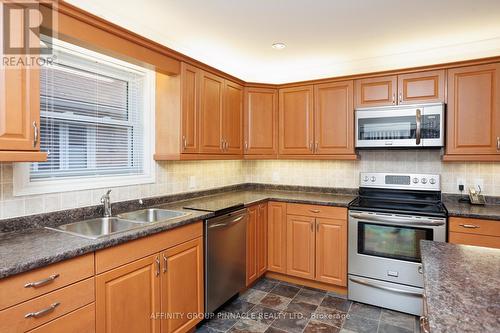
176 177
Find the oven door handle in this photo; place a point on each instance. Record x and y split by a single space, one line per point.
393 219
378 286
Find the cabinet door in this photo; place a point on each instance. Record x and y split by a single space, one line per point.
252 244
276 241
232 119
473 119
375 91
182 286
296 120
128 296
300 246
190 99
424 87
262 240
261 119
211 103
19 108
334 118
331 251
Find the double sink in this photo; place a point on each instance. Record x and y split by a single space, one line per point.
105 226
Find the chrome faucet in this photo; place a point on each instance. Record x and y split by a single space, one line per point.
106 202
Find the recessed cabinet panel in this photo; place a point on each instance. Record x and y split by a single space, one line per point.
211 104
473 115
422 87
261 121
296 120
334 118
377 91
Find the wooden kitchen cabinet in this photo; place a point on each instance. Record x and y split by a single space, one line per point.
128 296
252 245
182 289
256 242
232 119
300 243
261 122
262 239
421 87
331 251
334 118
478 232
276 237
473 114
211 105
78 321
190 99
378 91
296 121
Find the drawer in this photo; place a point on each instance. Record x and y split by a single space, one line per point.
56 304
123 254
475 226
473 239
78 321
317 211
17 288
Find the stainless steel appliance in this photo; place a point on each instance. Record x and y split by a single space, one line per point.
225 252
392 213
400 126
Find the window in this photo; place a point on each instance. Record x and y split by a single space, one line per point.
95 123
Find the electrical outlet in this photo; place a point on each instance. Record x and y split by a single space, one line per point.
276 176
460 181
192 182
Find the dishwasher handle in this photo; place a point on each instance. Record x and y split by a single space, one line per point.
227 223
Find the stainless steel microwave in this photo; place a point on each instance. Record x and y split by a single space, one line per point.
400 126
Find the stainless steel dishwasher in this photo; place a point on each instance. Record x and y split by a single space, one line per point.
225 257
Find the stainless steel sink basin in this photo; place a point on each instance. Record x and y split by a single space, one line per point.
152 215
96 228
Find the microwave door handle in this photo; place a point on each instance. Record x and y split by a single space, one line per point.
419 127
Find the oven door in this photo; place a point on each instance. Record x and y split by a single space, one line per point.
409 126
387 246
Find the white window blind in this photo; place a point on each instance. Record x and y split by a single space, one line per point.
91 116
96 123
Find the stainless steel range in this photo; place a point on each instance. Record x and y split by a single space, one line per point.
392 213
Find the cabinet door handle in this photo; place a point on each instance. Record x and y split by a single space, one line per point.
400 97
43 312
311 146
393 98
35 134
498 143
469 226
157 260
246 146
222 144
314 210
316 146
184 141
42 282
165 264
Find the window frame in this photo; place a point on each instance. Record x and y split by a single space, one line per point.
22 185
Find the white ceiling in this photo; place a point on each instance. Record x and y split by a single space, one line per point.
324 38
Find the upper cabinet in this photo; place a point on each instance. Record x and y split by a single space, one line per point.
317 120
20 114
260 122
296 122
211 104
232 118
421 87
473 115
190 99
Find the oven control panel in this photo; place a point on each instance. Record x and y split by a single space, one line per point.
424 182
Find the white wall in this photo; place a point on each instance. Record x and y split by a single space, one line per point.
174 177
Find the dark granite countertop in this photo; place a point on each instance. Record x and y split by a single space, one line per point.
461 287
28 249
490 211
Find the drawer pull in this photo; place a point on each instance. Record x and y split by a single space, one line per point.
40 283
469 226
43 312
424 324
314 210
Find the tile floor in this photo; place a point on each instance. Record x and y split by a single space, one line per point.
272 306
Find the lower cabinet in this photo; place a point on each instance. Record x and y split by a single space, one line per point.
78 321
477 232
162 292
316 243
256 242
276 237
